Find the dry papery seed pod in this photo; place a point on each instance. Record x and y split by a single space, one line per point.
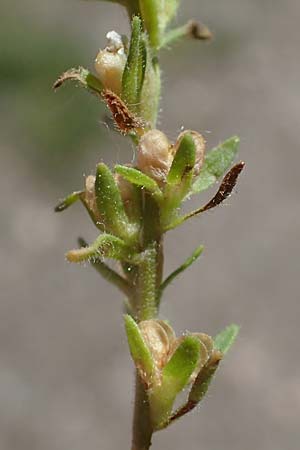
110 63
154 156
155 153
162 343
160 338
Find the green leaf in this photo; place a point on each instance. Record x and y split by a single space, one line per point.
179 178
68 201
225 339
82 76
134 71
200 386
175 376
139 350
184 160
216 163
194 256
110 204
105 245
178 370
138 178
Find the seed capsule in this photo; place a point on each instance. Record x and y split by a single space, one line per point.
155 155
110 63
157 338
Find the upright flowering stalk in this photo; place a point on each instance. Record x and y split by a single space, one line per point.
134 205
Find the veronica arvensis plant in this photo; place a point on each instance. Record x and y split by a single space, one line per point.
134 205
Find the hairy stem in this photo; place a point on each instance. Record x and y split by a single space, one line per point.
142 429
147 288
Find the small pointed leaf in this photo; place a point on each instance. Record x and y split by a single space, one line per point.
179 178
178 370
184 160
109 203
68 201
225 339
105 245
139 350
134 71
194 256
216 163
138 178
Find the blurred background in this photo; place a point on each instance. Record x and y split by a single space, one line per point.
65 374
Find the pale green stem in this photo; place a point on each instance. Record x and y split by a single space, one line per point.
148 282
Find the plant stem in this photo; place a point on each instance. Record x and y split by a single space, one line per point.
147 288
146 307
142 429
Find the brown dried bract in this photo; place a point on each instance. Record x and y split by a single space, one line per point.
124 119
226 188
71 74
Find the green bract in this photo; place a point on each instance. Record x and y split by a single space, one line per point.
110 204
225 339
134 72
138 178
175 376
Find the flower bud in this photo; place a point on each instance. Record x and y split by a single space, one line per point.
110 63
155 155
200 148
